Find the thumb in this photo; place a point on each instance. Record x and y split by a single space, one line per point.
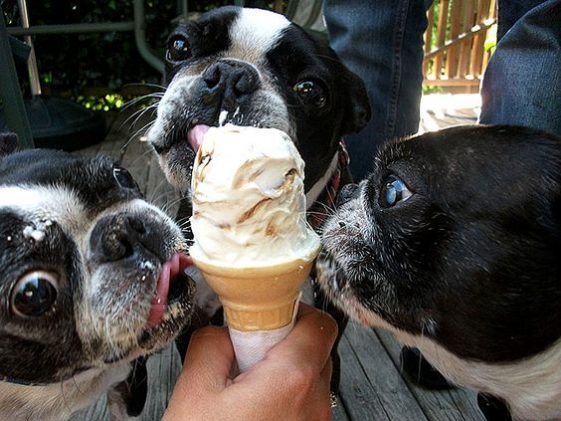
205 374
208 362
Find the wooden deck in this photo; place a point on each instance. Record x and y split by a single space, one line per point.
372 387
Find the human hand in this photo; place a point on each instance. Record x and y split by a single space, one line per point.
292 382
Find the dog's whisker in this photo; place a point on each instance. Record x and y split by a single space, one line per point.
329 209
142 157
162 199
182 220
316 213
138 113
175 201
185 224
149 84
154 95
151 109
129 141
155 101
134 115
136 134
129 118
144 127
159 191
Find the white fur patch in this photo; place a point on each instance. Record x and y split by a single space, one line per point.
531 387
42 205
254 33
320 185
58 401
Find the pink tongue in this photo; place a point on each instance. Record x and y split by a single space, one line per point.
196 134
160 300
169 270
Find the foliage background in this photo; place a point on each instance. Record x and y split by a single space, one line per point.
83 65
99 70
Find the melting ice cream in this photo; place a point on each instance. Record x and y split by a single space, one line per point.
248 199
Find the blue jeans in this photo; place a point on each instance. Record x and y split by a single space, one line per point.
522 83
382 42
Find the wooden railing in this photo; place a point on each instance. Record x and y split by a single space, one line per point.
455 53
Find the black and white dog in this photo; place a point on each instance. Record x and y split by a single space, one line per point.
92 278
453 245
252 67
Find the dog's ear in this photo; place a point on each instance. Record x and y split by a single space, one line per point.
8 143
357 109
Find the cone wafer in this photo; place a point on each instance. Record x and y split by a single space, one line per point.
259 298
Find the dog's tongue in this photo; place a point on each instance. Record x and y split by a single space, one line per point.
170 270
196 134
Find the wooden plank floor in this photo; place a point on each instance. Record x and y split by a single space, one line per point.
372 387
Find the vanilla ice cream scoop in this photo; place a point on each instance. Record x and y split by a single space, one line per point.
248 199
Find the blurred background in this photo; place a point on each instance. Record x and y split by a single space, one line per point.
104 70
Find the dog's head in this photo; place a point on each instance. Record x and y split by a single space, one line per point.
455 236
91 273
252 67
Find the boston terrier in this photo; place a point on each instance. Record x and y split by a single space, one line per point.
452 244
92 278
252 67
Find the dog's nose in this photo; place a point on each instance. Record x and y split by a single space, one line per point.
348 192
230 80
117 237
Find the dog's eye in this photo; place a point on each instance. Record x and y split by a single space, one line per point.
311 93
178 49
393 191
124 178
35 294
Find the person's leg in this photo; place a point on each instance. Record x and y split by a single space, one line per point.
522 83
381 41
510 11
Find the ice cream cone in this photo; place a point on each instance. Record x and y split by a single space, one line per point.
249 206
258 298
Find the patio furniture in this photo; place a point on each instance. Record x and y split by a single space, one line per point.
56 122
10 93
